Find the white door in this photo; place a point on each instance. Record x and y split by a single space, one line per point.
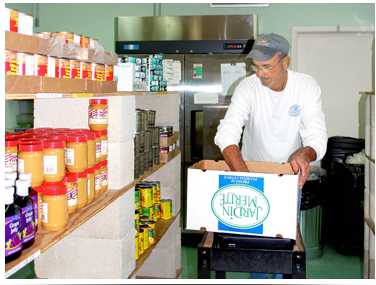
341 62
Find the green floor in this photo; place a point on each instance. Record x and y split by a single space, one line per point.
331 265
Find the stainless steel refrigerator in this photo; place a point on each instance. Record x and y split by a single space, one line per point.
211 51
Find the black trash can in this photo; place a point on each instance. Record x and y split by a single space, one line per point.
311 213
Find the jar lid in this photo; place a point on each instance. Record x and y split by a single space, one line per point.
53 190
103 163
31 136
62 182
10 136
30 146
89 135
97 134
104 132
98 166
62 129
11 142
76 138
58 137
91 170
53 144
98 101
71 177
38 189
80 130
82 174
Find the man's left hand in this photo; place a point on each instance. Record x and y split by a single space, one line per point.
301 161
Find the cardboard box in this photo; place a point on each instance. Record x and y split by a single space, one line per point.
165 142
166 157
124 74
93 86
21 43
98 56
22 84
261 202
62 85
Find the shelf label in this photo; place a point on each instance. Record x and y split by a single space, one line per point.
22 264
78 95
49 95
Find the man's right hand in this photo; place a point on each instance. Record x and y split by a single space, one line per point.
234 159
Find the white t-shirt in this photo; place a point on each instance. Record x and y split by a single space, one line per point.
277 124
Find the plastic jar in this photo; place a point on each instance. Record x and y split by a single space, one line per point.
76 153
90 184
82 189
104 145
11 153
39 190
98 180
104 174
54 207
71 183
30 159
54 161
91 151
98 114
98 147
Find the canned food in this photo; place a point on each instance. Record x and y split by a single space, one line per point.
97 72
149 212
166 209
143 218
40 64
109 72
75 69
85 42
64 68
157 208
136 220
164 150
11 20
85 70
25 24
11 62
146 196
67 37
137 199
25 63
137 240
151 225
141 242
93 43
45 35
53 66
145 229
77 39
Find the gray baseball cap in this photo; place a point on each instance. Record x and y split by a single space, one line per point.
266 46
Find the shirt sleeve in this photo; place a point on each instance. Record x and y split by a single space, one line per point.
313 128
230 129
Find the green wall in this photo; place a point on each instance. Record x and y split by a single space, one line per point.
97 19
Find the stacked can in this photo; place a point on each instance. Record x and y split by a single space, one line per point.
154 72
146 142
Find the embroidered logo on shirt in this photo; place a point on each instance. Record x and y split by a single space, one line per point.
294 110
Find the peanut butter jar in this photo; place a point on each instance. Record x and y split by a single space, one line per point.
98 147
82 189
76 153
11 153
54 161
98 180
71 183
30 160
104 174
104 145
91 149
54 207
98 114
90 184
39 190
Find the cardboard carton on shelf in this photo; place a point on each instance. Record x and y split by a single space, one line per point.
166 157
166 142
62 85
98 56
262 202
15 84
21 43
93 86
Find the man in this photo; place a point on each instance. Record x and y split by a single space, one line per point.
281 110
282 114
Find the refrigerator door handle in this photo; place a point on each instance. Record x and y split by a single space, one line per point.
197 121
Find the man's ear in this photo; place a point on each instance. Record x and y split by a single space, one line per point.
286 62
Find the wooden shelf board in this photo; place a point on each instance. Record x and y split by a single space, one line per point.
161 227
32 96
370 224
45 239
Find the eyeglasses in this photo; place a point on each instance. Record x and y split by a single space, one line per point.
265 68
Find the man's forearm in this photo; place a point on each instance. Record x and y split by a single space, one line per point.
234 158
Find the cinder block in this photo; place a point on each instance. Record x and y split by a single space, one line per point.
161 263
372 110
372 177
372 144
372 206
169 174
367 111
120 164
166 107
368 140
113 222
170 193
88 258
73 113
